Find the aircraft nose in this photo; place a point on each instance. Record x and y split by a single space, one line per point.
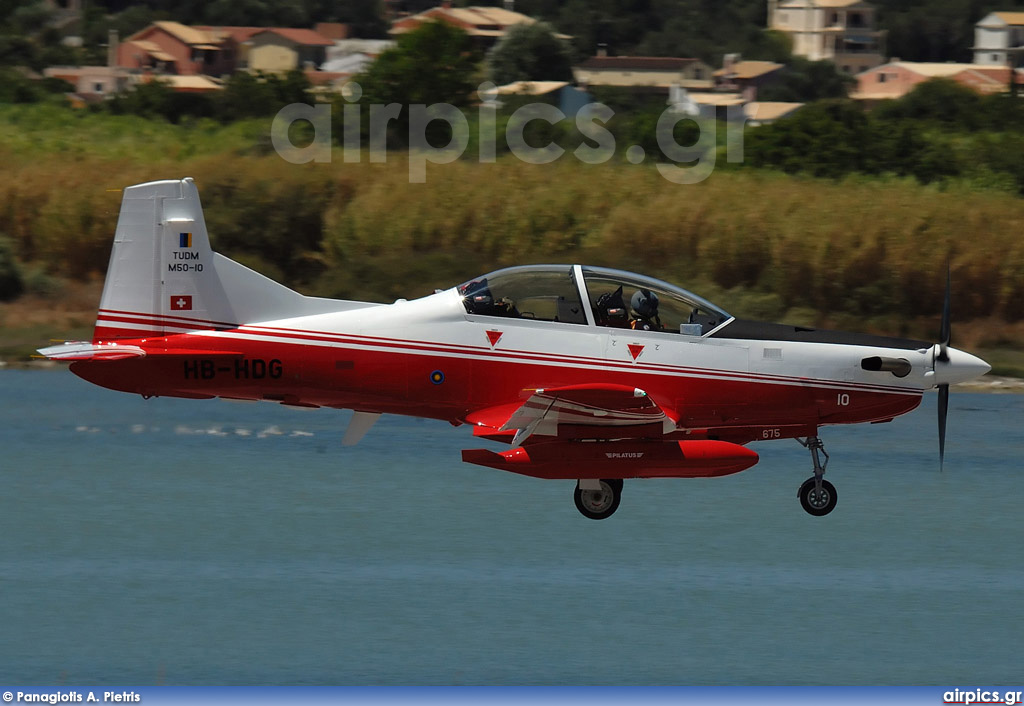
960 367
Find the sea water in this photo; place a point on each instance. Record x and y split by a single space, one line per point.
204 542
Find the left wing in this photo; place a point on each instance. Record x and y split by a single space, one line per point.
596 411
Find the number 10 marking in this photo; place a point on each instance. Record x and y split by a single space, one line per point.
843 399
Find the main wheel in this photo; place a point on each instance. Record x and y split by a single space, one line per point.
599 504
818 501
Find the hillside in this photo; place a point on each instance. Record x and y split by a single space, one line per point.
864 254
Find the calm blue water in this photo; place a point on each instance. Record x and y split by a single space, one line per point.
199 542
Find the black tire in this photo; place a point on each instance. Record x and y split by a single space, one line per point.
818 502
599 504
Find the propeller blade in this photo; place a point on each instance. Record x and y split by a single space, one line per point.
945 332
943 410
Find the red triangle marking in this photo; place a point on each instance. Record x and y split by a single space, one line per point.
494 337
635 350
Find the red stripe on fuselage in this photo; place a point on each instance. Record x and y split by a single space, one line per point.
390 375
307 336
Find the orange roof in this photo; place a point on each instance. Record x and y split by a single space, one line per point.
305 37
1011 18
637 63
749 69
239 34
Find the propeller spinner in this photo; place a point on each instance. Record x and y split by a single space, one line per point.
951 366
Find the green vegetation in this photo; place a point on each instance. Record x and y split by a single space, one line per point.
918 30
530 53
856 253
939 132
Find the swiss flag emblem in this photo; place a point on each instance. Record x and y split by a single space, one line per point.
181 302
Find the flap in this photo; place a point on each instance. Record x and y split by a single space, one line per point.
580 411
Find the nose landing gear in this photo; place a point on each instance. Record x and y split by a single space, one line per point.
817 496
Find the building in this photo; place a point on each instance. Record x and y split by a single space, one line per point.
567 98
898 78
174 48
999 39
765 113
277 50
745 77
649 74
485 24
841 31
91 83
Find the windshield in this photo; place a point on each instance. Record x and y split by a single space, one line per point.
626 300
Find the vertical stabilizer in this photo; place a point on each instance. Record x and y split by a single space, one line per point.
164 278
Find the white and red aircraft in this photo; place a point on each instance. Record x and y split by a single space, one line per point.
587 373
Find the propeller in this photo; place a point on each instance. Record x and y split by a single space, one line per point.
943 357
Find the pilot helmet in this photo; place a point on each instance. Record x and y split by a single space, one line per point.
645 303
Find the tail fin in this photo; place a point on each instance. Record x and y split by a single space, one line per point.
164 278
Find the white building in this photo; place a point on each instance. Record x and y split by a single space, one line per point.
999 39
841 31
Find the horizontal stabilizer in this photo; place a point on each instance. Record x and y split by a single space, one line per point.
83 350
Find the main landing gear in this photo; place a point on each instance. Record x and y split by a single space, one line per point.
817 496
598 499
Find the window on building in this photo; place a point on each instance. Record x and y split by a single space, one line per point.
881 78
995 58
97 87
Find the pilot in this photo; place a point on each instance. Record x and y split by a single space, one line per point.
610 310
645 311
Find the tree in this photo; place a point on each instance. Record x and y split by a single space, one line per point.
11 285
530 52
433 63
804 81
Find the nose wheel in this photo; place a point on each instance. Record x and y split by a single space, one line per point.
600 502
817 496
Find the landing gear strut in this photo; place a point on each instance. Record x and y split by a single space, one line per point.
817 496
599 502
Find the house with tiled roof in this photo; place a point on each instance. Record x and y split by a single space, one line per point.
999 39
174 48
841 31
746 77
657 74
276 49
898 78
561 94
485 24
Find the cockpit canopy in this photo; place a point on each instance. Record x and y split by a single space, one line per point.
613 298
